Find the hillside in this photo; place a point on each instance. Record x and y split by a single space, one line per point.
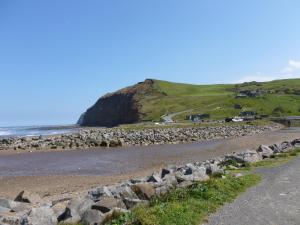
149 100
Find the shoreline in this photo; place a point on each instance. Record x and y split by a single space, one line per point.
94 138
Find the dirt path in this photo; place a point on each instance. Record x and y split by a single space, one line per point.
275 201
50 173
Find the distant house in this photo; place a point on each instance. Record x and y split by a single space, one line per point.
249 93
197 117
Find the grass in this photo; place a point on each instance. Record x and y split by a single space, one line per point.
189 206
143 126
219 100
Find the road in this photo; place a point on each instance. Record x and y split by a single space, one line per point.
275 201
169 118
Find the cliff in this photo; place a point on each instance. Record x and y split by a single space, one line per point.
120 107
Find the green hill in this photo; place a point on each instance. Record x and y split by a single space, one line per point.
149 100
219 100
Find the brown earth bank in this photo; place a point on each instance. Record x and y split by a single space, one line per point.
68 172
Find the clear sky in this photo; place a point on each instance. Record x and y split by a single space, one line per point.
58 56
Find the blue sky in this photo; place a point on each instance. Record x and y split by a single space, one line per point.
58 56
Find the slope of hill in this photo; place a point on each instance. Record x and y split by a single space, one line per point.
149 100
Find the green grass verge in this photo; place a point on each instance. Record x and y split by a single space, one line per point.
189 206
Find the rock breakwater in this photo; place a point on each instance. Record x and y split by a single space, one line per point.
114 137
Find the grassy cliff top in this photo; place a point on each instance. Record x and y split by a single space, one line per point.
279 97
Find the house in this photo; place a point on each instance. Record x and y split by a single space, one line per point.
249 93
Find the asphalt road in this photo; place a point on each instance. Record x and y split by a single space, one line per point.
275 201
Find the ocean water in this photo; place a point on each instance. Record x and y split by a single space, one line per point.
26 131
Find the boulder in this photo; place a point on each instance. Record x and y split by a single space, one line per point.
12 218
130 203
296 143
75 209
13 205
28 197
251 156
42 215
96 193
286 146
155 177
276 148
92 217
170 180
265 151
144 191
108 203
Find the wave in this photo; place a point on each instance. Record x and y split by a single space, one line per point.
5 133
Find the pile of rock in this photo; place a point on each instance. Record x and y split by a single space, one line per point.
100 204
103 137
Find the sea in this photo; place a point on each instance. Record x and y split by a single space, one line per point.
27 131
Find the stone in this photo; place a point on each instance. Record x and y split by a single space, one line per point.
13 205
155 177
28 197
75 209
108 203
170 180
92 217
42 215
276 148
251 156
12 218
286 146
96 193
144 191
265 151
130 203
296 143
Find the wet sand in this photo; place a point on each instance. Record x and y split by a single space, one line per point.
56 172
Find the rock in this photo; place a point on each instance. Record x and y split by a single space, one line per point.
12 218
251 156
28 197
92 217
276 148
75 209
42 216
144 191
296 143
155 177
162 190
96 193
265 151
124 191
286 146
108 203
14 206
130 203
59 208
170 180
